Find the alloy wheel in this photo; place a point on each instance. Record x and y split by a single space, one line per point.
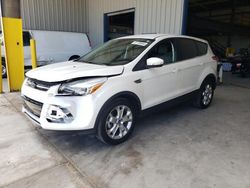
119 122
207 95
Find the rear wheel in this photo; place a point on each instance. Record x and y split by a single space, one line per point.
116 122
205 94
243 72
4 69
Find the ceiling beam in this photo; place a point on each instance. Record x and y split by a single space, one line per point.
215 26
217 5
222 15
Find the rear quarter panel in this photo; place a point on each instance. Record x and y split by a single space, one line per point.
210 67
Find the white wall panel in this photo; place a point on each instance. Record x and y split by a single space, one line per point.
151 16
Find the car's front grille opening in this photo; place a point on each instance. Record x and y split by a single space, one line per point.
34 107
40 85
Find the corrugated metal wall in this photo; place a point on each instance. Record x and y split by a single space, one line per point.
55 15
151 16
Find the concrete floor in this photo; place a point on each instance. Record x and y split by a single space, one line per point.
178 147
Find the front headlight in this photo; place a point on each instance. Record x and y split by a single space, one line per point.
81 87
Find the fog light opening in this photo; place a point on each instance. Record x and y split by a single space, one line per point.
57 114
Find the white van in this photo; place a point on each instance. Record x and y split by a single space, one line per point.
52 47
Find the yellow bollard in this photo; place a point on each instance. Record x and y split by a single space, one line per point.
33 53
14 55
1 78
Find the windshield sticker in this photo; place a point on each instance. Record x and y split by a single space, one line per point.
140 43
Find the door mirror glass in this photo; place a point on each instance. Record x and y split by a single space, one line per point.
154 62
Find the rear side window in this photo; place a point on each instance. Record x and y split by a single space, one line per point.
26 38
202 48
186 49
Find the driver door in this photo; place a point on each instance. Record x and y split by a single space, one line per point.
159 84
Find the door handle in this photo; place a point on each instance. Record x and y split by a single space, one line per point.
138 81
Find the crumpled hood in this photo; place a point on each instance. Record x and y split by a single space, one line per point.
69 70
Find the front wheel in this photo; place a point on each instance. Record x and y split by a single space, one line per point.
205 94
116 122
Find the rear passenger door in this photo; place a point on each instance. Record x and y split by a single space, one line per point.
190 65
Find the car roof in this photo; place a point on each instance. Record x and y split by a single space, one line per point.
148 36
160 36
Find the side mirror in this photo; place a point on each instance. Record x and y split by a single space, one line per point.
154 62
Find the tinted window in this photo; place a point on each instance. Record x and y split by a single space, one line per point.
26 38
202 48
163 50
186 49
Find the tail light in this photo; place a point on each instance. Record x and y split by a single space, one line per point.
238 65
215 58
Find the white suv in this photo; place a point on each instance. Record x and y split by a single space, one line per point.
105 90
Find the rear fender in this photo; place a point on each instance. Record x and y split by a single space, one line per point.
207 72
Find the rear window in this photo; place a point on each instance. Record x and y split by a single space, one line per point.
202 48
186 49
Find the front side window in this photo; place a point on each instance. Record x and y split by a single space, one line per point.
117 52
164 50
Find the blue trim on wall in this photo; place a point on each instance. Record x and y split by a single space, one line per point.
106 24
185 17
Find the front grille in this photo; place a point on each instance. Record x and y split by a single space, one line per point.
40 85
32 106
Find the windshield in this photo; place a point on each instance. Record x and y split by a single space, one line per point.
117 52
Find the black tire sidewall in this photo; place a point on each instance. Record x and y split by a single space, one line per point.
101 129
243 73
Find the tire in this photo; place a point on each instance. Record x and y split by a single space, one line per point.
73 57
243 73
205 94
122 125
4 69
